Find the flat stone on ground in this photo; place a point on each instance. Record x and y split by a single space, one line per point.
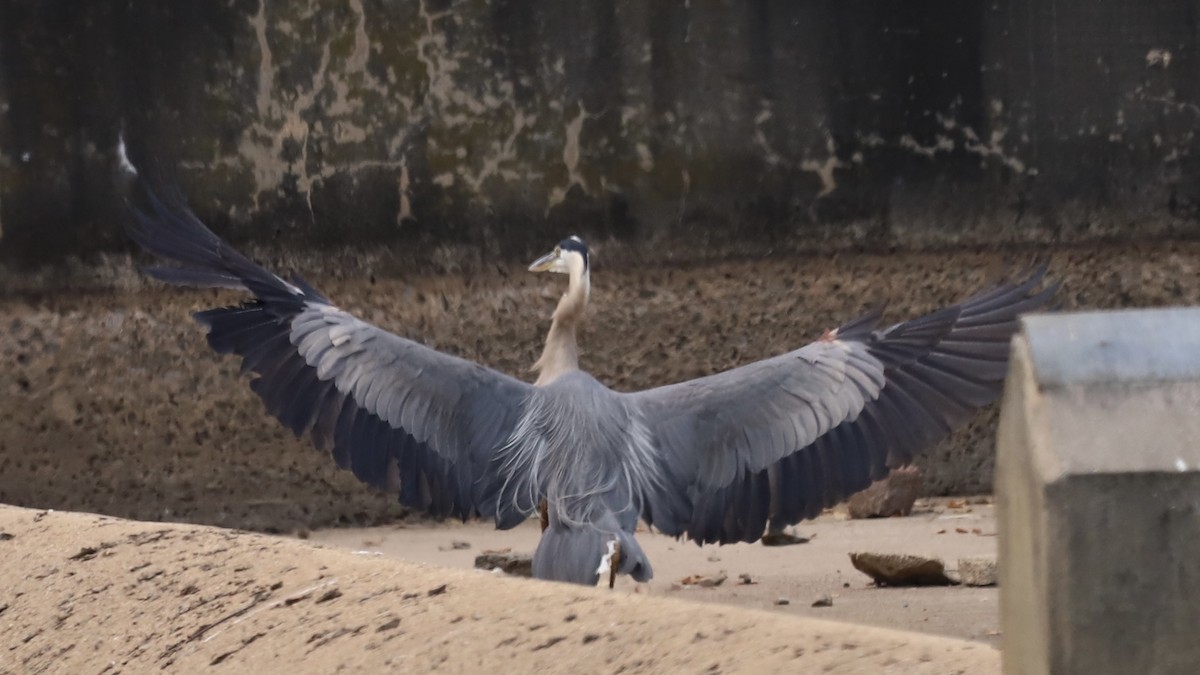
901 569
515 564
977 571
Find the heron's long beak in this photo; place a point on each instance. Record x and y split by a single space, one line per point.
551 262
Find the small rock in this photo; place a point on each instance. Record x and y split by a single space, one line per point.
978 571
704 581
890 496
516 564
455 546
823 601
782 601
781 538
898 569
745 580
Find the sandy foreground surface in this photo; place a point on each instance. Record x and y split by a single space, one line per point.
946 528
93 594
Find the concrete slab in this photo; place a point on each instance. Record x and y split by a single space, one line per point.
1098 494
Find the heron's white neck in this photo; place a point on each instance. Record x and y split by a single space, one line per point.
561 354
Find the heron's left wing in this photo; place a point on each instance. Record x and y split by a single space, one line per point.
781 438
398 414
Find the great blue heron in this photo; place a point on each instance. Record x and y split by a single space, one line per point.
712 459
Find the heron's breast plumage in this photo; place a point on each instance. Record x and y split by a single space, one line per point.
581 447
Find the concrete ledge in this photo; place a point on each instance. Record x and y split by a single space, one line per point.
1098 494
79 592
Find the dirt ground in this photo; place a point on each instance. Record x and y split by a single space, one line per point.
93 594
111 402
946 528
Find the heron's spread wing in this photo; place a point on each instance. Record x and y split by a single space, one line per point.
399 414
784 437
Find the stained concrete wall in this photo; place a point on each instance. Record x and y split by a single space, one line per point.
496 125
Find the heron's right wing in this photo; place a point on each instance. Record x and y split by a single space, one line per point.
398 414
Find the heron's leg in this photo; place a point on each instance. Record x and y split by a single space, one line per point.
614 563
544 514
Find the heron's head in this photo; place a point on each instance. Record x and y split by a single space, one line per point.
569 257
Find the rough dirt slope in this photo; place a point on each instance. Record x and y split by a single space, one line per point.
111 402
84 594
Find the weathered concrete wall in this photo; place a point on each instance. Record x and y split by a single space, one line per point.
497 125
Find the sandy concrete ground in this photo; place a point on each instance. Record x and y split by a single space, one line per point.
84 594
946 528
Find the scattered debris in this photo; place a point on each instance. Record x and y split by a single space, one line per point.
331 594
781 538
303 533
4 536
714 558
455 546
899 569
516 564
89 552
823 601
436 591
782 601
890 496
745 580
704 581
549 643
979 571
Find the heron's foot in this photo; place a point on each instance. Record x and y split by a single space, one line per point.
610 561
783 538
614 564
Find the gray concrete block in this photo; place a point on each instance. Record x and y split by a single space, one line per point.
1098 494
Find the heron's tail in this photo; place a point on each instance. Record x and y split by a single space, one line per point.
583 554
